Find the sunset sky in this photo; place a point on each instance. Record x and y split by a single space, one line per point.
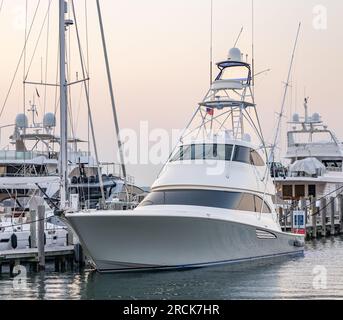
159 55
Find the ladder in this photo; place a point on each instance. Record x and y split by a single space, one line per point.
237 123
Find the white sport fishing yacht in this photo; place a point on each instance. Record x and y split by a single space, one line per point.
212 202
315 158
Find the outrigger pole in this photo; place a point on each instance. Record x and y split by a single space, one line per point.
114 111
284 99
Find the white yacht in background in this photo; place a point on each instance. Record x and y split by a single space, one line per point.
315 157
212 202
31 169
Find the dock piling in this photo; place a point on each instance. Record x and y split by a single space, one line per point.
332 219
323 209
314 217
41 242
33 229
340 201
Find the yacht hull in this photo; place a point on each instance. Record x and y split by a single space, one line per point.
122 242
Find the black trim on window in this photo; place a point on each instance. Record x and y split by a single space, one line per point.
207 198
218 152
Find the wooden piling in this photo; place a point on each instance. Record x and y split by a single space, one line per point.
340 201
285 217
314 218
323 209
33 229
332 219
70 237
304 208
41 242
63 264
79 255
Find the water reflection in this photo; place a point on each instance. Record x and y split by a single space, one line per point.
281 279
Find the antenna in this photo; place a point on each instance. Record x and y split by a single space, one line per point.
284 98
211 45
239 35
253 42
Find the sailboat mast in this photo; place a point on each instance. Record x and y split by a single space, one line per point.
63 108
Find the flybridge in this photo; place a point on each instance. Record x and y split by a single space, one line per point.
225 106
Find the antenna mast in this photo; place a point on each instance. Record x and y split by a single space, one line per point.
63 108
253 43
284 98
211 45
239 36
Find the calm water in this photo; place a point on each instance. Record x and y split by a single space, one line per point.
286 279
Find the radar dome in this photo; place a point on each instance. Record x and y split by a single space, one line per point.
235 55
316 117
296 117
49 120
21 121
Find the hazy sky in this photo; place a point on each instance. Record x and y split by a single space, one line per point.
159 54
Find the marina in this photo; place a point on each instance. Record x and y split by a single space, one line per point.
244 202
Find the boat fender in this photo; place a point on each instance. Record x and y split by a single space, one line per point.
14 241
299 243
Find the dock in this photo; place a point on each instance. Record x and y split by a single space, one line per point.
62 257
323 217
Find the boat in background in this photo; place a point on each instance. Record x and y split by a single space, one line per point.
315 161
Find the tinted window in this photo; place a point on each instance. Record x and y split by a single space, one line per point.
312 190
187 153
218 152
259 203
206 198
287 191
242 154
247 203
199 151
256 159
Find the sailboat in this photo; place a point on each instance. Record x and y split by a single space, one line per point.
212 203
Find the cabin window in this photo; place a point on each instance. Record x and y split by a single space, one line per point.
299 191
247 202
287 192
259 203
207 198
333 164
2 171
312 190
256 159
198 151
218 152
187 153
209 152
242 154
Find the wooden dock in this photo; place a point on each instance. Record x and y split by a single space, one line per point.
324 218
61 256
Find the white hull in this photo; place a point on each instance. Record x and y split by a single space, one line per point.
131 241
